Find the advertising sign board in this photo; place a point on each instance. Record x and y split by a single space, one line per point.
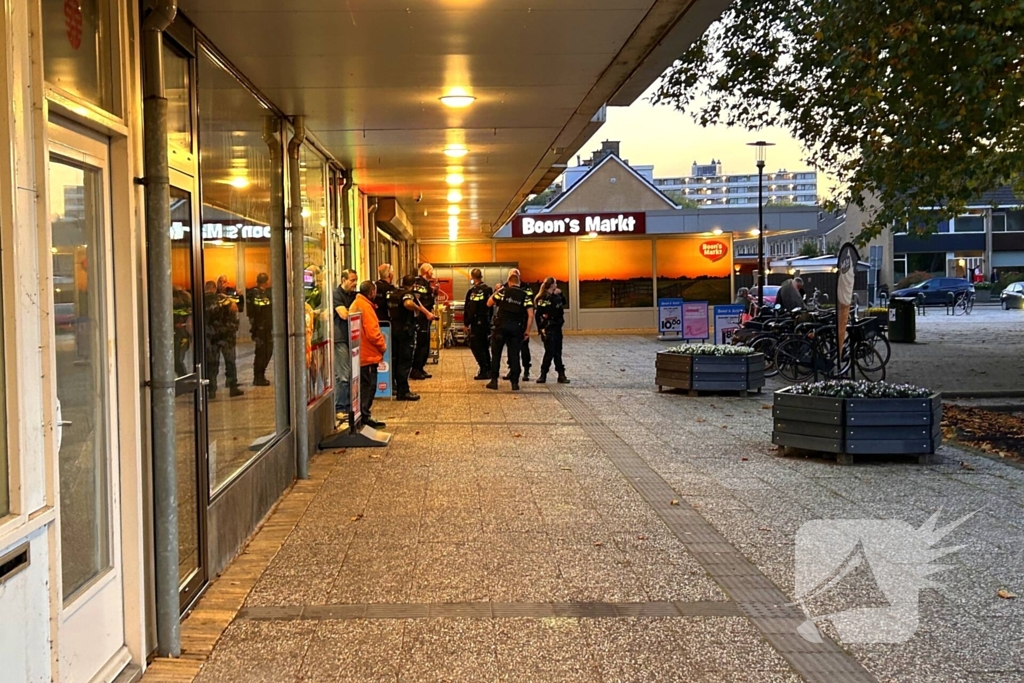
727 321
384 367
695 320
670 318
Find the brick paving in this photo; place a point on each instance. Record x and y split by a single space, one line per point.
525 537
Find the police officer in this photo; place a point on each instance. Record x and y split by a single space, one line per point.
384 287
423 288
477 316
402 310
221 317
261 328
511 307
525 352
550 304
182 330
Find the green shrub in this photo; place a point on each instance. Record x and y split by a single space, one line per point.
913 279
1005 280
983 286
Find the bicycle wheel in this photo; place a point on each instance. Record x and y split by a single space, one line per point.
766 345
960 307
869 362
970 304
794 359
881 344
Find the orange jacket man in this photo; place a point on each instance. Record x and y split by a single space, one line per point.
371 350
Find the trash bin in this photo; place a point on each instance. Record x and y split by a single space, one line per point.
902 320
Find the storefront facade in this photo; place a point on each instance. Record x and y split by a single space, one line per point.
260 218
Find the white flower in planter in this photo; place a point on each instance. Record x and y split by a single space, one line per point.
709 350
859 389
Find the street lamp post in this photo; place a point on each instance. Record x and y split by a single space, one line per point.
760 146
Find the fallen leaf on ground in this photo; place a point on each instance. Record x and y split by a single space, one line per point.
356 518
725 426
417 432
674 502
700 419
598 544
641 538
967 466
766 407
1005 594
744 459
764 528
517 435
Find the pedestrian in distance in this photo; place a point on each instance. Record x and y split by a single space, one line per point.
385 279
513 318
402 310
371 351
261 327
423 288
550 314
477 316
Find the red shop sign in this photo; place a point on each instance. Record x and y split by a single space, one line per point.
562 225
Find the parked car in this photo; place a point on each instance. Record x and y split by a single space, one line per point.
1012 296
770 292
936 291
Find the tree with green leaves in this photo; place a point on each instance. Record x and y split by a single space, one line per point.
681 199
809 249
916 103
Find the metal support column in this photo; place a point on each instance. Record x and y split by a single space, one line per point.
300 390
161 332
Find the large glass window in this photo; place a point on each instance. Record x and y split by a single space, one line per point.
243 272
5 485
179 102
319 352
615 273
969 223
694 268
76 48
537 261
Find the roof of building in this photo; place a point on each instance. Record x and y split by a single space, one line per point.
1003 196
558 199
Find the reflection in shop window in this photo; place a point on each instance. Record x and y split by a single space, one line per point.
615 273
243 274
76 48
179 103
694 269
5 488
319 352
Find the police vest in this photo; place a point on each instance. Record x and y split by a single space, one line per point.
476 312
402 319
381 300
550 312
511 305
422 289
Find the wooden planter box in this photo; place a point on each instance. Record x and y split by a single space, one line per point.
857 426
709 373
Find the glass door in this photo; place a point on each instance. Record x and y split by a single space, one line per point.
189 412
91 619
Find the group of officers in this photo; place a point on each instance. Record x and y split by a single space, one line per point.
497 319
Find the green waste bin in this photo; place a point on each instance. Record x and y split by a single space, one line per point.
903 320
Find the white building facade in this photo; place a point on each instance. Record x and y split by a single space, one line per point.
708 185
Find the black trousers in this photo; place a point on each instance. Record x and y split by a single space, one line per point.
552 352
264 349
367 389
422 353
403 347
480 344
513 340
215 348
524 353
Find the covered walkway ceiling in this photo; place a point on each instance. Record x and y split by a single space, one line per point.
369 75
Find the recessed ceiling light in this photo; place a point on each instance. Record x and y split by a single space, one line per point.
453 234
454 196
455 179
455 151
453 210
453 223
240 182
306 213
457 98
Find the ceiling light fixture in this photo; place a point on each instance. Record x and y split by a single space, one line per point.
455 151
453 234
453 223
239 182
453 210
457 98
454 197
455 179
716 231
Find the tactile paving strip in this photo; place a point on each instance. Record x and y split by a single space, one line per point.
757 597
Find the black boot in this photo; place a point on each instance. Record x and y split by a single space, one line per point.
526 374
515 386
562 379
493 384
543 378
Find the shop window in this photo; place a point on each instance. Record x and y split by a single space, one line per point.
615 273
685 272
243 274
319 352
5 486
1010 221
179 103
971 223
76 49
537 261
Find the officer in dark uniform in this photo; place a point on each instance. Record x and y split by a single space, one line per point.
182 330
550 305
402 310
477 317
384 287
511 308
525 352
230 292
423 288
261 328
221 317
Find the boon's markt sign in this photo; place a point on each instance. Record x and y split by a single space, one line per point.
562 225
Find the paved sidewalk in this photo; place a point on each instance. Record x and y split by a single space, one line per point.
603 532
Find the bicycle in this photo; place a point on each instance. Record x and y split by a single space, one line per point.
964 303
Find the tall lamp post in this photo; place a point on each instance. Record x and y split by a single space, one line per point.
759 147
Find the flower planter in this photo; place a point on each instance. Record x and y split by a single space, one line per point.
850 427
983 296
741 373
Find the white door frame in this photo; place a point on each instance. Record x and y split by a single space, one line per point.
91 626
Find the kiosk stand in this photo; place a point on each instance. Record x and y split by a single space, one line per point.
350 437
